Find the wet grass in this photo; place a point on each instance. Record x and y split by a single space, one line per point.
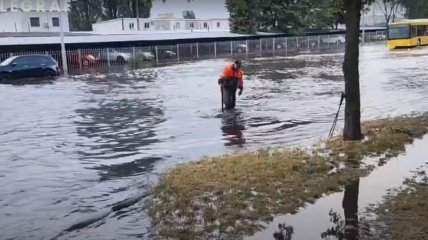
233 195
404 213
386 137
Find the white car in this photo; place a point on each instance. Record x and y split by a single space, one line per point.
335 39
241 48
147 55
114 55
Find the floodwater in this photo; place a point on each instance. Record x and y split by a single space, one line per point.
78 155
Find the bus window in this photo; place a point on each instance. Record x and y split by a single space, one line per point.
421 30
399 32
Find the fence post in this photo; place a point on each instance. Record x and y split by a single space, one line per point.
286 45
157 54
215 49
328 41
273 46
79 55
197 50
319 42
108 58
297 43
134 63
178 52
231 48
309 43
261 47
247 48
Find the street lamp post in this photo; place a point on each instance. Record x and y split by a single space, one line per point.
63 52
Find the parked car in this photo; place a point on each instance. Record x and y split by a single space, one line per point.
241 48
115 55
147 55
86 59
336 39
28 66
169 53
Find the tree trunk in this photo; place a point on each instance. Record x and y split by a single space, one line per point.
352 129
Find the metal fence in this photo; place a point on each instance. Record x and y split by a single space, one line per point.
138 57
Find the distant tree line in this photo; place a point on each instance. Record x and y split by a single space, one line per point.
296 16
83 13
250 16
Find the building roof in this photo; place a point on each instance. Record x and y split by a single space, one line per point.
404 21
53 38
161 19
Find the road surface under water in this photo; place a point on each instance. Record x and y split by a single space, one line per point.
72 149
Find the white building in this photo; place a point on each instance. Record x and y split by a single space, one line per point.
165 22
32 21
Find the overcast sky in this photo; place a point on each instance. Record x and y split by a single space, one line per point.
202 8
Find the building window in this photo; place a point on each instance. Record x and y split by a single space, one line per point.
192 25
163 26
35 22
131 26
146 25
177 25
218 24
55 22
205 25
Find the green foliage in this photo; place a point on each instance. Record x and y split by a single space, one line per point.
83 13
126 8
242 15
286 16
189 14
416 8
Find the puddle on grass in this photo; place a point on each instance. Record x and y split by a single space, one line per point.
317 221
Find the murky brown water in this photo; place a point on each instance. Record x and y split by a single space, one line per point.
73 148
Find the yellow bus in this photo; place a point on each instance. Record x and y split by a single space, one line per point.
408 33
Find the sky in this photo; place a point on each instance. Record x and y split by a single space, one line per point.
201 8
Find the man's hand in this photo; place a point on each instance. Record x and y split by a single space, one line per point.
240 91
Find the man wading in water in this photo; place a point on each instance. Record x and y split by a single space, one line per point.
230 80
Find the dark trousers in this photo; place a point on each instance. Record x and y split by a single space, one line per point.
229 96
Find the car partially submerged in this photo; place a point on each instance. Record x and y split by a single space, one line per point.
28 66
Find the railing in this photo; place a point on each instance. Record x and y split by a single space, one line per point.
138 57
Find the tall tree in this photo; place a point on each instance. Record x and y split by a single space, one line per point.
352 130
243 15
126 8
415 8
389 9
110 9
189 14
83 13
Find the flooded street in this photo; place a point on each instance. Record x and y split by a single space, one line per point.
74 149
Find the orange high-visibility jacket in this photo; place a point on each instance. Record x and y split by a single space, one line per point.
229 73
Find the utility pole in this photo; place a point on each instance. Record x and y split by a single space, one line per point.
138 14
364 27
63 52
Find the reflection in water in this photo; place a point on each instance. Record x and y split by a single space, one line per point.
284 232
232 127
118 130
350 208
347 228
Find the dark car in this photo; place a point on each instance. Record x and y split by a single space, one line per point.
28 66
